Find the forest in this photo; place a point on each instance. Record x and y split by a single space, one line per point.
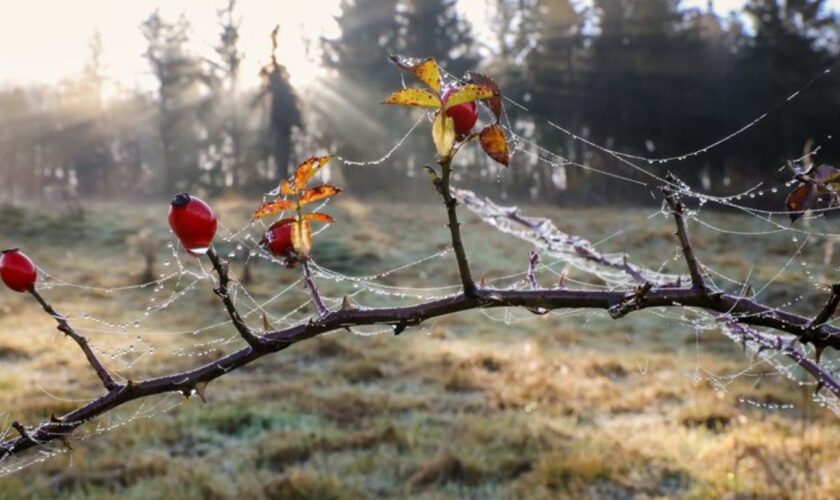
650 78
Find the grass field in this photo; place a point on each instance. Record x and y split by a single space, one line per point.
476 405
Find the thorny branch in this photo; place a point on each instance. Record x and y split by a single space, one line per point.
737 312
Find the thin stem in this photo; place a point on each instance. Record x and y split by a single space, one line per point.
470 290
64 326
222 291
678 211
313 290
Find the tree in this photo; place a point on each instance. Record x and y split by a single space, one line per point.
786 52
178 74
229 148
283 111
739 314
84 138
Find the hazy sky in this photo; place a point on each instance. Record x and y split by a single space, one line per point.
43 40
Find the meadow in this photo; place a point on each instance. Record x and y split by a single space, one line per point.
497 404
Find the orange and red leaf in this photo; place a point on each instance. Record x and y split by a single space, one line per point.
319 217
273 207
318 193
307 169
495 101
493 143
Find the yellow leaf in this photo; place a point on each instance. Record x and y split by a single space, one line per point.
469 93
413 97
273 207
428 72
302 238
319 217
443 134
307 169
286 189
318 193
493 143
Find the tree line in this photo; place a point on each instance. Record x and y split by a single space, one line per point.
650 78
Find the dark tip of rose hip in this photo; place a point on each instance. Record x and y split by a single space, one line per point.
180 200
9 250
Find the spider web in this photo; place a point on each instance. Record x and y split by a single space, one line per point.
578 262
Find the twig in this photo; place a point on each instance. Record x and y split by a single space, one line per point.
678 211
64 326
631 302
313 290
824 378
222 291
451 203
533 261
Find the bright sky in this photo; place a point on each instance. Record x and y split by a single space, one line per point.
45 40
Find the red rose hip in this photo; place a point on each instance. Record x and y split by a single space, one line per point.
464 115
17 271
278 241
193 222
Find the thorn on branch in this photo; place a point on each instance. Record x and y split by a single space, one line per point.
400 327
631 302
21 430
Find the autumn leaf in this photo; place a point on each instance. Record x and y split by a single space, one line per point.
426 70
469 93
494 102
319 217
443 135
285 188
273 207
307 169
493 143
318 193
800 199
413 97
302 238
